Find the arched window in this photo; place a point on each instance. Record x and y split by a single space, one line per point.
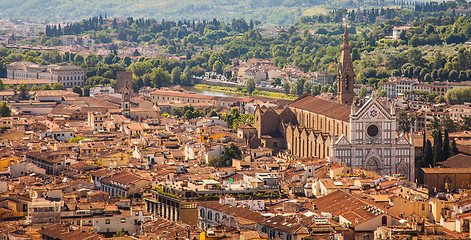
202 213
210 215
384 220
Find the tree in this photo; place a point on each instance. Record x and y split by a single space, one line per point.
437 147
424 146
215 162
176 75
75 139
217 67
446 145
457 96
127 61
160 77
45 87
23 89
119 234
212 113
286 88
5 110
434 124
250 85
428 155
362 92
57 86
453 148
276 82
307 86
381 93
140 68
316 89
86 91
404 121
91 60
79 58
78 90
231 152
453 75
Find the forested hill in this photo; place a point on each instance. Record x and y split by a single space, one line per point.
272 12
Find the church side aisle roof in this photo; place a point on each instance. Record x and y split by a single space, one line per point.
323 107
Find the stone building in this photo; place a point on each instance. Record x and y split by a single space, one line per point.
374 143
310 126
68 76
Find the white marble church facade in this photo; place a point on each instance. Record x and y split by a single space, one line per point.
374 142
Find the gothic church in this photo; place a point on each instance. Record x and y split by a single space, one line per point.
310 126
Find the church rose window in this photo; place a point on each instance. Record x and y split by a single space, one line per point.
372 130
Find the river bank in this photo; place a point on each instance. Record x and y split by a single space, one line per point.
239 92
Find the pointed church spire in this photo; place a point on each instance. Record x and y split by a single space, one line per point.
345 73
346 40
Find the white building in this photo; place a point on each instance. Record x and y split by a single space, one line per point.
42 211
374 143
68 76
457 112
397 31
255 205
59 134
215 151
398 85
103 90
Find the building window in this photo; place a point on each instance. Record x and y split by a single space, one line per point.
202 213
210 215
384 220
107 221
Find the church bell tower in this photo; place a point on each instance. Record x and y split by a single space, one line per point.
345 73
126 101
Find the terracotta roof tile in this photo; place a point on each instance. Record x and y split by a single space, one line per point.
318 105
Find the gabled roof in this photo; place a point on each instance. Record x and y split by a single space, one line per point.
321 106
123 178
457 161
368 105
234 211
351 207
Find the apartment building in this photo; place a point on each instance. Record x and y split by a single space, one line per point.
42 211
457 112
171 208
163 96
68 76
124 184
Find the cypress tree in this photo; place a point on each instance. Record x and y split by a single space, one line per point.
424 147
453 149
428 156
437 147
446 146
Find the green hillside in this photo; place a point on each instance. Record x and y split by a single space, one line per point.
271 12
